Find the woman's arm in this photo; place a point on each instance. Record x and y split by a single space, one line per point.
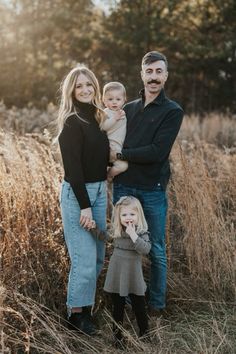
71 146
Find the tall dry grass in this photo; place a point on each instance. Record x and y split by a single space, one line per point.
201 245
215 128
203 217
27 119
32 253
32 328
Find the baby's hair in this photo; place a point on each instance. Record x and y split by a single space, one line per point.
113 85
131 202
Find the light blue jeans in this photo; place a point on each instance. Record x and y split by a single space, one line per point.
154 203
86 253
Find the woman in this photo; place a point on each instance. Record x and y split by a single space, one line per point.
85 154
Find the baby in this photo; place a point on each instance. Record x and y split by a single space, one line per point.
114 97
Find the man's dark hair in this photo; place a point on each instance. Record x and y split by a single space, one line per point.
153 56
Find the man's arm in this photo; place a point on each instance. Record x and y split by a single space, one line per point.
161 146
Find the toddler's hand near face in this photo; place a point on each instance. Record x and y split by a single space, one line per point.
130 230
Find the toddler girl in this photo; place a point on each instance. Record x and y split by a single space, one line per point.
114 97
125 276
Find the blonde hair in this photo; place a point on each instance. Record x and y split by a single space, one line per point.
67 89
113 85
135 204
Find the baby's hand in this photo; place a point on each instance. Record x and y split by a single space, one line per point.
118 115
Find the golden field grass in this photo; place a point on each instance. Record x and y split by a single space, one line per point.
200 239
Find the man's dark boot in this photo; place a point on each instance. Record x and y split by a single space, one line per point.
152 312
82 321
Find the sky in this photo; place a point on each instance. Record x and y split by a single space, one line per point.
102 4
105 4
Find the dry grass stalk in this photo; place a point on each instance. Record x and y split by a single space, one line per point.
32 328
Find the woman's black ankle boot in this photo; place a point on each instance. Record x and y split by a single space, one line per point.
82 321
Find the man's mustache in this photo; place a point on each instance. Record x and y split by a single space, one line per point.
154 82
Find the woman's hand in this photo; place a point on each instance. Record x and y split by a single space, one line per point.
86 218
130 230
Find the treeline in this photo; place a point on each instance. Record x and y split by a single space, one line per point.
41 40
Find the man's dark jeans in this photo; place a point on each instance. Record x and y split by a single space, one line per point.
154 203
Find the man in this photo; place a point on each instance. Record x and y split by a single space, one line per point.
153 122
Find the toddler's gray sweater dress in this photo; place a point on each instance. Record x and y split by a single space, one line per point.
124 274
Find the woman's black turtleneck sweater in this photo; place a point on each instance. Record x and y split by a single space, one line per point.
85 151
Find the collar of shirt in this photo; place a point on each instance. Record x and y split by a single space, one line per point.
158 100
